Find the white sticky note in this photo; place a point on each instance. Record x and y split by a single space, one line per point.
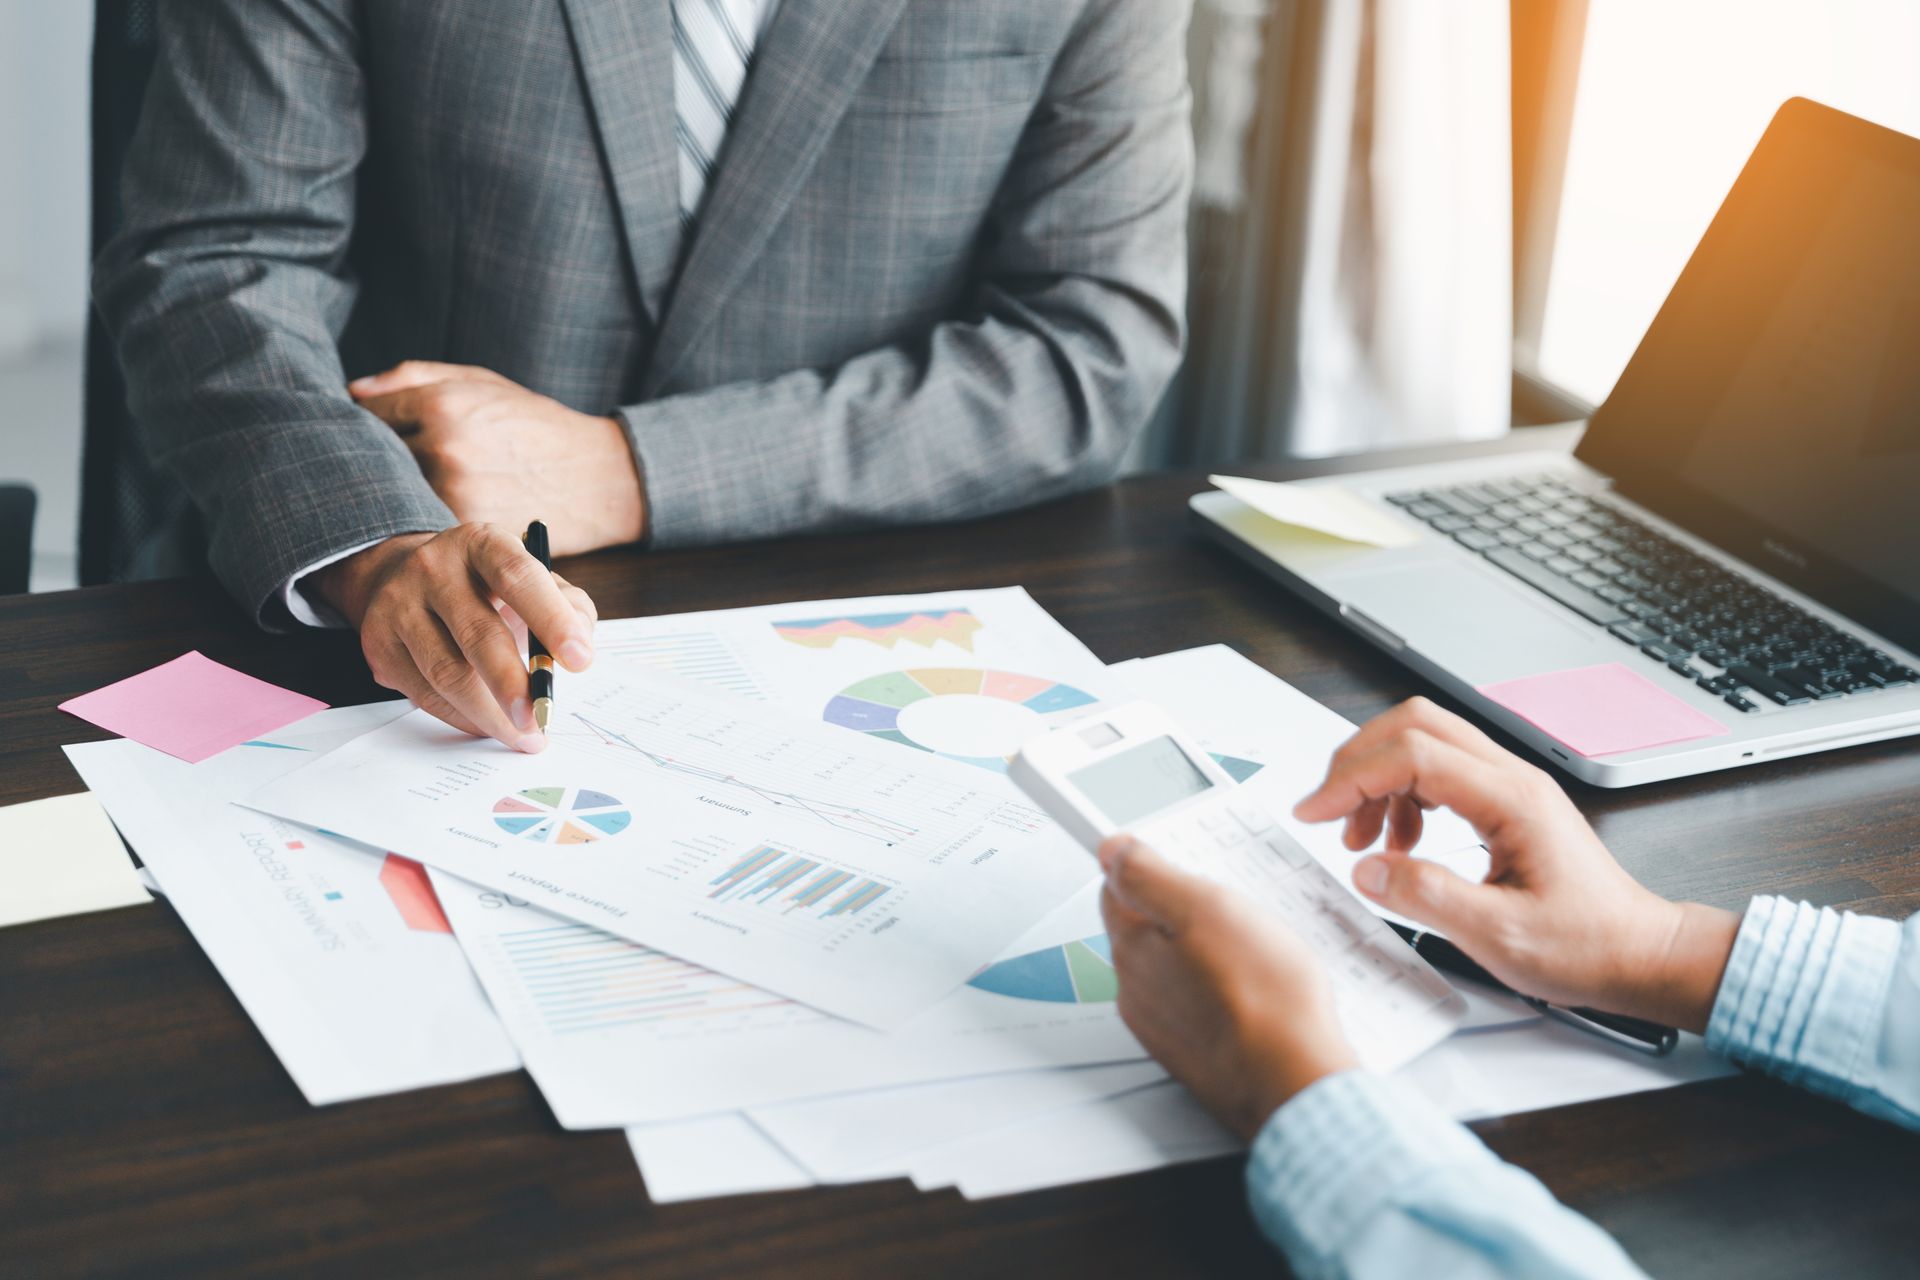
1325 509
61 857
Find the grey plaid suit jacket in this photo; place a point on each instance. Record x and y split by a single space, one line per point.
939 273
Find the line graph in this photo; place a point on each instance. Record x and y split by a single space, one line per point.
849 818
767 763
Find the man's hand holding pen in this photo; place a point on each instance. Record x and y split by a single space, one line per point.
437 615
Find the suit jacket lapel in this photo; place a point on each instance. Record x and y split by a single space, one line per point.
625 52
806 69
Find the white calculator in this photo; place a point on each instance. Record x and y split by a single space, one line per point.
1130 769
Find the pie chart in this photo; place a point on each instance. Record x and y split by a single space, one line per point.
1077 973
964 713
560 815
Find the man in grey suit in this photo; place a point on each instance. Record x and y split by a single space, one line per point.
678 271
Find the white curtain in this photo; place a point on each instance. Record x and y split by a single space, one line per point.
43 174
1352 236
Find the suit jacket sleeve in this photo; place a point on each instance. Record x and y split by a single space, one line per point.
1073 331
227 289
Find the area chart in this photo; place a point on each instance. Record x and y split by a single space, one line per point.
955 626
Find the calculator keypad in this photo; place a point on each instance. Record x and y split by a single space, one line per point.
1388 997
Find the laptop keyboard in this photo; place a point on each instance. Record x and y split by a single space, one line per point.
1726 633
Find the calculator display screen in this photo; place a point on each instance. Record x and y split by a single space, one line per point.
1141 780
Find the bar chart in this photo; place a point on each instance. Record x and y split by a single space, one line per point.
701 656
580 980
792 882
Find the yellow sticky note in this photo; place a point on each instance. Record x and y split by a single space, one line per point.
61 857
1324 509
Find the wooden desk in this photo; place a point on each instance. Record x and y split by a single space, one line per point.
146 1129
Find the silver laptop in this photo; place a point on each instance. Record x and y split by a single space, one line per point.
1740 524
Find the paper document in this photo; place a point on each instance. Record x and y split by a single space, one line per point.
336 951
835 870
1148 1128
1009 1147
862 1137
619 1034
720 1155
191 707
968 675
1550 1064
1494 1073
1324 509
60 857
859 1137
1487 1007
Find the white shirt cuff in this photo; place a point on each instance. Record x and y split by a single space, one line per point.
311 611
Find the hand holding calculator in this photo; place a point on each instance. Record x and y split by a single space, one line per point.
1131 770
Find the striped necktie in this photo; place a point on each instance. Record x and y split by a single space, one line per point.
712 47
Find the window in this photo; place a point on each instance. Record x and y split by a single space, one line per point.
1669 101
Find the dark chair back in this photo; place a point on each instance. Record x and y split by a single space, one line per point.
16 537
123 499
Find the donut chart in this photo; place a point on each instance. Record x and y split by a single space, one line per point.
964 713
560 815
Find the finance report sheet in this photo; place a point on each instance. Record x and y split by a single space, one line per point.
833 868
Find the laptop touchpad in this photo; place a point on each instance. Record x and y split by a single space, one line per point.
1471 621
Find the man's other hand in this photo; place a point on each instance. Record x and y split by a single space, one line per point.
437 614
498 453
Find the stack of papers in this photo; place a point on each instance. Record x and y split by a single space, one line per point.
768 902
358 990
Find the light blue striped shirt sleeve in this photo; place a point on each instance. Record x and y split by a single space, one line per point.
1826 1000
1355 1178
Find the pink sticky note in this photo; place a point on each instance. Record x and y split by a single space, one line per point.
191 707
1602 710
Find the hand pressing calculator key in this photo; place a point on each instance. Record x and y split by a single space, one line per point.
1131 770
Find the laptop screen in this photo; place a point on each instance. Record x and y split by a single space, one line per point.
1774 404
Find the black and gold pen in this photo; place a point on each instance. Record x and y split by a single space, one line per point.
539 662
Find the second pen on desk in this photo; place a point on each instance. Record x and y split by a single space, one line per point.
539 662
1631 1033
